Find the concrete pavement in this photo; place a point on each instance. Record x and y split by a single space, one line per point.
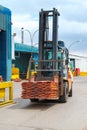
44 115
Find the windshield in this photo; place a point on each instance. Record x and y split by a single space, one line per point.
48 54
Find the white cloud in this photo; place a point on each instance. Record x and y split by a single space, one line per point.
27 23
73 27
24 21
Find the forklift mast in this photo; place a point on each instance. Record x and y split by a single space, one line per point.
48 38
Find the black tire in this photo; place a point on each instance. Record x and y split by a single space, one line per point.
34 100
64 97
71 92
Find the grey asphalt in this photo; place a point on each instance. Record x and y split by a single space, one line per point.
44 115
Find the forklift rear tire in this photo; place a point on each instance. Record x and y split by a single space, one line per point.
64 97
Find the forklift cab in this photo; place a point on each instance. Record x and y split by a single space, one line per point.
63 57
62 60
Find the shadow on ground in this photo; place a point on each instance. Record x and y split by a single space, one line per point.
27 104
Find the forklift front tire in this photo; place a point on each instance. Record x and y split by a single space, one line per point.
64 97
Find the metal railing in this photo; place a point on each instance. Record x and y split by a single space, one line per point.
5 98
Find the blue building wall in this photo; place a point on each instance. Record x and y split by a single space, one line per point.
5 43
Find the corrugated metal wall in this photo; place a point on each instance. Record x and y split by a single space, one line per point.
79 62
82 64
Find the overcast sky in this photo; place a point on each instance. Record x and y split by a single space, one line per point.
72 20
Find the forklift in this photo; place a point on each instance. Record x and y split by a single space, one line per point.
52 80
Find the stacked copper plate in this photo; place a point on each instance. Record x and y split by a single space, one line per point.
46 90
28 90
40 90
